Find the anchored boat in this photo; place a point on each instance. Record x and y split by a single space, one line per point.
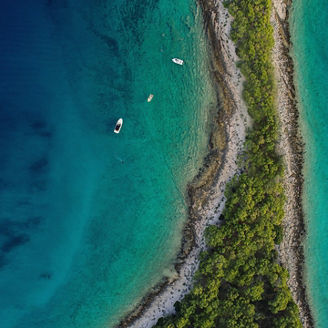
150 97
118 126
177 61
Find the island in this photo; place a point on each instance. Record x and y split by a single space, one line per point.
241 259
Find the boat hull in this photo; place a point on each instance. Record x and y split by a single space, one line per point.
177 61
118 126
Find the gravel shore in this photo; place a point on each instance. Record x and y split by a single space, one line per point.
291 148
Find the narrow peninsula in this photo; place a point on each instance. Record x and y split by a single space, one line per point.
241 260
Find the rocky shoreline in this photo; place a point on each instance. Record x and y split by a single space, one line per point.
206 192
291 147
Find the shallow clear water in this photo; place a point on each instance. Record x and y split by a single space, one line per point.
89 220
310 49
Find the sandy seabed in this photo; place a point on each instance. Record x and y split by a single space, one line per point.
206 192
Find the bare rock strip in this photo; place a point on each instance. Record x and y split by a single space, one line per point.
291 147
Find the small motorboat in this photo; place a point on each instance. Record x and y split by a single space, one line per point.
118 125
150 97
177 61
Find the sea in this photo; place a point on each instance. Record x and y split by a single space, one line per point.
90 220
309 21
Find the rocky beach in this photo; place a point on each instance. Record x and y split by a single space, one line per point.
291 148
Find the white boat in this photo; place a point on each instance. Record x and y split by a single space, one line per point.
118 126
177 61
150 97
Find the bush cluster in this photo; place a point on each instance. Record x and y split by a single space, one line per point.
240 282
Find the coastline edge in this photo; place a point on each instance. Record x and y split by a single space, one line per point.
291 146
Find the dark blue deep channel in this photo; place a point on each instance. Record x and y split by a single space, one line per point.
90 220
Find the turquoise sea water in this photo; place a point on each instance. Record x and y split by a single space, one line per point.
309 23
89 220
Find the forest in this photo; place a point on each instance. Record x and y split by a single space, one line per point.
240 282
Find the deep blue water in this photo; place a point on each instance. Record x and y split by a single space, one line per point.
309 22
90 220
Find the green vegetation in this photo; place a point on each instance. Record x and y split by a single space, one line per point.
240 282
